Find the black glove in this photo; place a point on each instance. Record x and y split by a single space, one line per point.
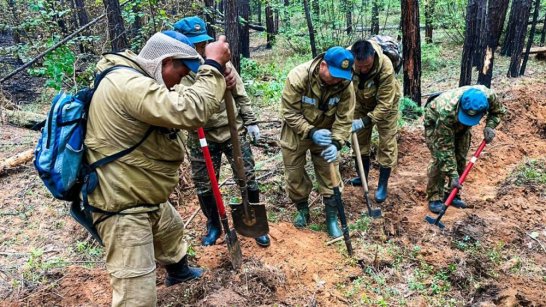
488 134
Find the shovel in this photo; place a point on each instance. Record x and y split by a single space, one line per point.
234 248
436 221
250 220
341 209
376 212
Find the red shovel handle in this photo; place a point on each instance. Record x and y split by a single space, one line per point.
212 175
465 173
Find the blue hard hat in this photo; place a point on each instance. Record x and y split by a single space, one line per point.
192 64
472 107
194 28
340 62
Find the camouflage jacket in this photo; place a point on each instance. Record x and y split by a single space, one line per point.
441 123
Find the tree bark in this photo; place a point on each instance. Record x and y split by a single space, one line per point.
276 23
429 20
259 12
509 37
310 28
518 40
465 77
543 36
531 38
269 25
209 18
244 11
411 49
231 26
81 12
480 34
17 160
375 17
116 28
496 13
20 118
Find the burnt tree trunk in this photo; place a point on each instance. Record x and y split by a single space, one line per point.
259 9
429 20
531 38
231 26
481 36
521 20
116 29
509 37
496 14
310 28
465 77
276 19
269 25
209 18
411 48
244 12
375 18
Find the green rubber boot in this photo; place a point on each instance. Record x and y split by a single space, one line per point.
302 216
330 209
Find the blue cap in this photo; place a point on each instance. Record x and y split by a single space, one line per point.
472 107
194 28
340 62
191 64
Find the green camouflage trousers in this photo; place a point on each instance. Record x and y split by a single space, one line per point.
436 178
199 168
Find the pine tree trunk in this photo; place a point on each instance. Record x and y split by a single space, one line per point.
496 13
269 25
276 15
310 28
543 36
520 30
231 26
209 18
429 19
531 38
244 11
481 35
348 8
469 43
509 37
375 18
116 29
411 48
259 12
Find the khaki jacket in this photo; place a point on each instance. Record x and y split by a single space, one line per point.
216 128
382 91
124 106
307 104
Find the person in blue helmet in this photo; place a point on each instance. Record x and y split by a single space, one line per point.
219 138
448 122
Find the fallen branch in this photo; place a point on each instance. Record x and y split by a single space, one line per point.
21 119
192 217
539 243
17 160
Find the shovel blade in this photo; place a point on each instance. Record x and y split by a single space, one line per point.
254 225
434 221
375 213
234 249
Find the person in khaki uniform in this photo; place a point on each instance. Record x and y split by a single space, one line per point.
130 209
219 138
316 108
377 95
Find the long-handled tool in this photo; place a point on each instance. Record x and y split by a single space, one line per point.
436 221
375 212
341 209
250 220
233 245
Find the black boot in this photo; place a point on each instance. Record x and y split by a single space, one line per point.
330 209
181 272
302 216
214 228
457 201
435 206
357 181
254 197
381 193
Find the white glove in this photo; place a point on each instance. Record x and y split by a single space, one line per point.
254 132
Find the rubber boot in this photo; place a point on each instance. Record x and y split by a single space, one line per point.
357 181
254 197
330 209
214 228
435 206
302 216
181 272
381 193
457 201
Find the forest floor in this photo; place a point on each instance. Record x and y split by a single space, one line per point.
493 253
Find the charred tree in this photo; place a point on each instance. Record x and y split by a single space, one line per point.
481 35
259 11
471 32
531 38
509 37
269 25
116 29
276 19
244 38
429 20
375 17
310 28
231 26
521 20
209 17
496 15
411 49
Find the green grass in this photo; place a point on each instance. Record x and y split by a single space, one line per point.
530 173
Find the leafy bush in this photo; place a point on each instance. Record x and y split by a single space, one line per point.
409 110
58 66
